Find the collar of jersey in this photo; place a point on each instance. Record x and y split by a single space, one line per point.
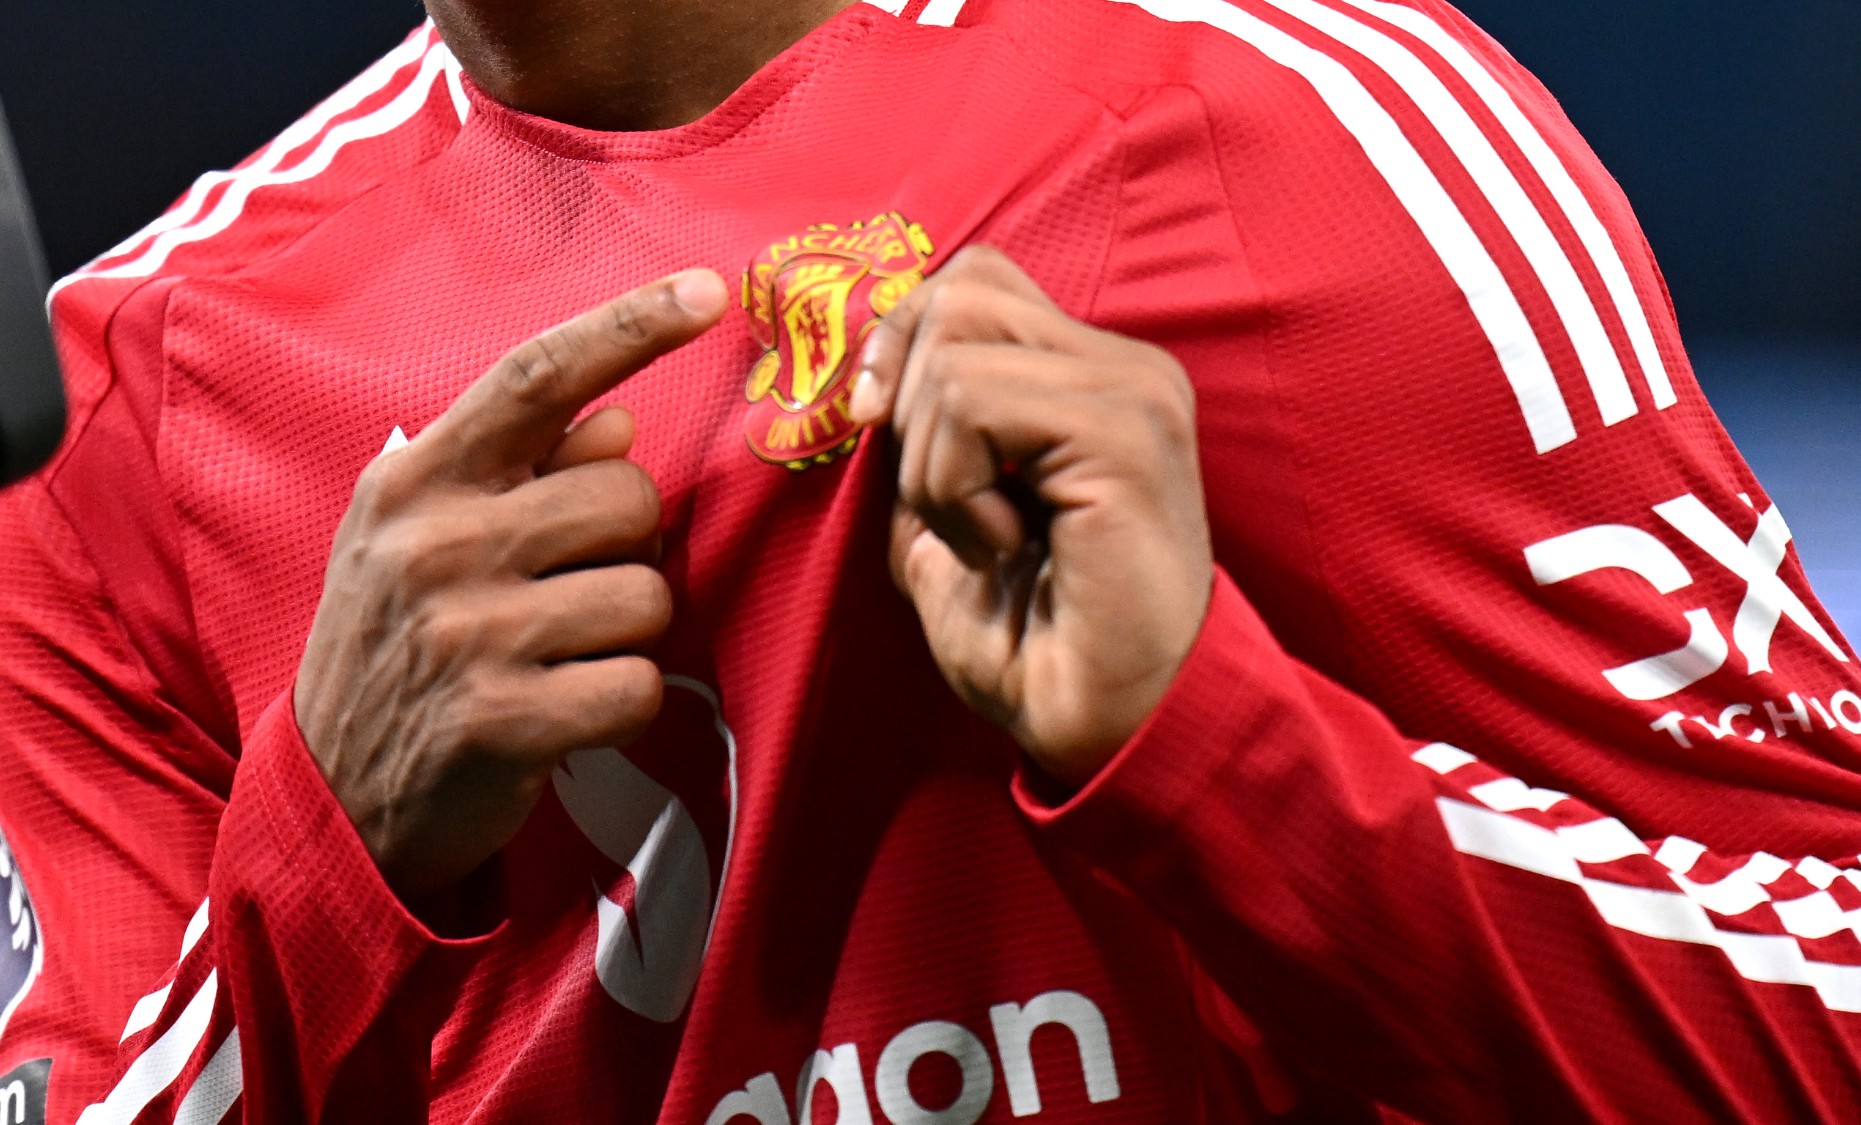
775 81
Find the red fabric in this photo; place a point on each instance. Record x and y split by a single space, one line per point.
1288 892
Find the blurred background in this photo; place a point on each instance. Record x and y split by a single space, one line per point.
1734 125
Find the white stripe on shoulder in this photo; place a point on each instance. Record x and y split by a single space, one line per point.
149 1008
941 13
185 224
1597 354
146 1012
455 84
1576 206
156 1068
196 928
215 1088
1495 306
300 133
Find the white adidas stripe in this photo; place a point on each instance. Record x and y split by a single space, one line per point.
941 13
173 231
455 84
156 1068
1557 179
1495 306
196 928
146 1012
149 1008
215 1088
300 133
1595 351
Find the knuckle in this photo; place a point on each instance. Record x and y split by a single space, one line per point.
983 265
977 258
396 549
631 319
443 634
384 484
943 493
1159 391
634 692
534 374
956 304
483 715
1177 407
956 391
635 497
940 309
372 487
912 491
432 552
1171 419
649 598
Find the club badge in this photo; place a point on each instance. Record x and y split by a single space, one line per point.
812 299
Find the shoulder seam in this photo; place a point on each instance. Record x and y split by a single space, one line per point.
1305 523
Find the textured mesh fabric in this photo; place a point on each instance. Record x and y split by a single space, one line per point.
1402 398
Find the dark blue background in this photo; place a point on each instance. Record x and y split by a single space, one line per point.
1734 125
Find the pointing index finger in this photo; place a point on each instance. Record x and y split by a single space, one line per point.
516 413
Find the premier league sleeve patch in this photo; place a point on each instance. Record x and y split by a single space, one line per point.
22 1093
22 950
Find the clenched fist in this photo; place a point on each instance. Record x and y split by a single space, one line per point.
1050 528
488 593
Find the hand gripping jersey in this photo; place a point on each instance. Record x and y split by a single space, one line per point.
1512 778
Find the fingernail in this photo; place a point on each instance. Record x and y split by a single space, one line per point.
700 291
864 406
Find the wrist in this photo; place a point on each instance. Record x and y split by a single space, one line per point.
1118 716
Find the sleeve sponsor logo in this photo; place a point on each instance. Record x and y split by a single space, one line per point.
22 950
1768 605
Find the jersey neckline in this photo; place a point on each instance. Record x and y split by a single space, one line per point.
769 85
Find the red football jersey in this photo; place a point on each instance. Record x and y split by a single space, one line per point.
1479 534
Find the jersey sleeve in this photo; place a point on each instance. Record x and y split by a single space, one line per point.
196 932
213 935
1404 918
1514 775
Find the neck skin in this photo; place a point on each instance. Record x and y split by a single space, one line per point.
621 64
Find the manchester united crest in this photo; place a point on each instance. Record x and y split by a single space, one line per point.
812 299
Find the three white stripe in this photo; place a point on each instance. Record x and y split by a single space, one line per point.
185 224
938 13
1494 303
216 1088
149 1008
941 13
157 1067
1570 198
218 1084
